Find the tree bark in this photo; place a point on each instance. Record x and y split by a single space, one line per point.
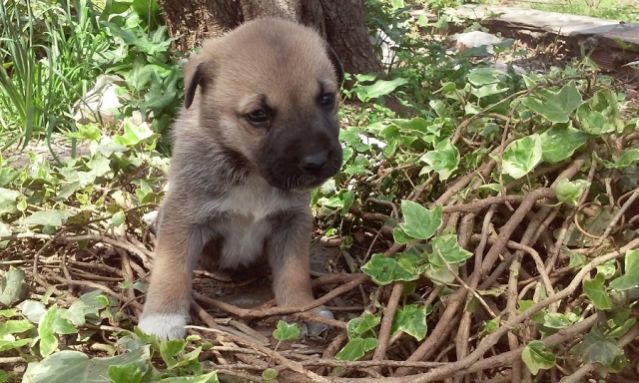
341 23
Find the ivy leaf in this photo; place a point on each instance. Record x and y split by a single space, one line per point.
211 377
285 332
446 249
32 310
627 158
170 349
12 286
9 342
484 76
560 142
630 278
8 200
133 134
537 357
74 366
127 373
554 322
359 326
596 292
384 270
570 191
411 319
576 260
555 106
521 156
600 114
419 222
379 88
356 348
48 340
55 218
440 274
598 348
270 374
14 327
444 159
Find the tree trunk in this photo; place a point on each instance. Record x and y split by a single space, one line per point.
341 23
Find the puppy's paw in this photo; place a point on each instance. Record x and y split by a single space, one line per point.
164 326
314 328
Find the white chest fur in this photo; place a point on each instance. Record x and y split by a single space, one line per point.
248 207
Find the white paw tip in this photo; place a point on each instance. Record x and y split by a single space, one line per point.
164 326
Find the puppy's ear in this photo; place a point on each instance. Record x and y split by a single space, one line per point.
193 75
337 64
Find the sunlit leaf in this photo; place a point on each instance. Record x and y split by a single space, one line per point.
419 222
521 156
537 357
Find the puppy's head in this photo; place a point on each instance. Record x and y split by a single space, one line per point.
268 92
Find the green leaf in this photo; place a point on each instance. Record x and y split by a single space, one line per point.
133 134
8 313
446 249
14 327
444 159
490 326
33 310
521 156
48 340
12 286
357 327
127 373
356 348
570 191
8 201
4 376
11 343
537 357
411 319
577 260
598 348
555 106
439 274
55 218
596 292
484 76
170 349
600 114
554 322
211 377
419 222
5 229
384 270
378 89
627 158
560 142
285 332
607 269
630 279
74 366
270 374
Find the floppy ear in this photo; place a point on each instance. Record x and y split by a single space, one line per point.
193 75
337 64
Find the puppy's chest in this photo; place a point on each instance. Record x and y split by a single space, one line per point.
246 224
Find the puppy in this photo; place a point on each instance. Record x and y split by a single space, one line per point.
258 132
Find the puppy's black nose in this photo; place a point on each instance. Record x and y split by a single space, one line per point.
314 162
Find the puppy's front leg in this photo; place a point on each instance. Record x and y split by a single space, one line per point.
288 251
168 298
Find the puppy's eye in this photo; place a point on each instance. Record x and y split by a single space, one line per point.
327 100
259 118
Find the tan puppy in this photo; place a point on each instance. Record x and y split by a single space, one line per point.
258 132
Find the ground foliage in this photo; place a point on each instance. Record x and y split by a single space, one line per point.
485 220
